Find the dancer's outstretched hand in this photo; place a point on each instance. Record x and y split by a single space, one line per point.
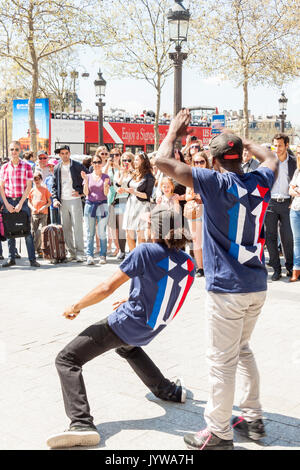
180 123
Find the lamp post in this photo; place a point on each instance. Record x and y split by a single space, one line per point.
282 107
4 129
178 19
74 76
100 85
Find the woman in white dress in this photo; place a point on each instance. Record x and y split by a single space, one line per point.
140 187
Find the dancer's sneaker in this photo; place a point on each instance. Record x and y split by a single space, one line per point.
102 260
90 261
206 440
74 436
254 429
179 393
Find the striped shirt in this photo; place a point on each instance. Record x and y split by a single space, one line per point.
15 178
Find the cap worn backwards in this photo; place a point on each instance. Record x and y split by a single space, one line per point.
226 147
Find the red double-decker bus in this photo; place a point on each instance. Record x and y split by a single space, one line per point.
80 131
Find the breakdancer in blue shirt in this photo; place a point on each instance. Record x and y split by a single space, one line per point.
161 275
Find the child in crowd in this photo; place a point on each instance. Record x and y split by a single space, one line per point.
168 198
39 200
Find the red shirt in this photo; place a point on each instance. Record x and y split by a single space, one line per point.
15 178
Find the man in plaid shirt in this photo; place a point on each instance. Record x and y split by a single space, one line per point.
15 184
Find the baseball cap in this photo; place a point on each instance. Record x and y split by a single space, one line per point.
53 162
42 152
226 147
62 147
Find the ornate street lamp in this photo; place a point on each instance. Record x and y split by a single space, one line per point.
178 19
100 85
74 76
282 107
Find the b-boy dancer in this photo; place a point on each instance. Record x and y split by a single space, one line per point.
236 278
162 275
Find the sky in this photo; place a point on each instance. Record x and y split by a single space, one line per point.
137 95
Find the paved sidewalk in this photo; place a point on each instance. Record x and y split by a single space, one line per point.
127 415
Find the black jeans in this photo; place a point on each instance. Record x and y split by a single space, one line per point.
92 342
279 213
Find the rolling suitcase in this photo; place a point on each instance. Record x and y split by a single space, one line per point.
53 243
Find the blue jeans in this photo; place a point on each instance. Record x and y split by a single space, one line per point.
28 239
90 223
295 224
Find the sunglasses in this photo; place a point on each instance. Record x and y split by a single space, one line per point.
195 146
114 155
17 150
103 153
126 161
36 178
43 158
97 162
200 162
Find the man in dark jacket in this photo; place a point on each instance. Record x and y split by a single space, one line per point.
278 212
67 191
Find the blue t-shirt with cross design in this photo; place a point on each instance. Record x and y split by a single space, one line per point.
161 279
233 228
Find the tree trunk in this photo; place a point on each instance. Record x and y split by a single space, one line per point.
157 112
31 111
35 83
246 114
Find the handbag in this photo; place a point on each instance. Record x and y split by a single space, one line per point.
2 237
16 224
192 210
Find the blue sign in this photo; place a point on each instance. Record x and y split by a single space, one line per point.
218 123
21 130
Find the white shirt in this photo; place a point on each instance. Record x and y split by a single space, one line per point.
281 186
67 184
296 182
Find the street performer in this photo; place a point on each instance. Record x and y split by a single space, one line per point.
162 275
236 278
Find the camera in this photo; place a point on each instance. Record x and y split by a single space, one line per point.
193 138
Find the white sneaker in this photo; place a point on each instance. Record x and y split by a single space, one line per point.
180 383
79 259
90 260
102 260
75 436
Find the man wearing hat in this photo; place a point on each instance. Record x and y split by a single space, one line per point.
54 211
235 204
67 191
42 164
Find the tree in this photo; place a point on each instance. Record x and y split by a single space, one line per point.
248 42
33 30
55 78
138 43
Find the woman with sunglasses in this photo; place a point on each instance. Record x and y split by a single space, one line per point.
140 189
113 168
200 160
195 147
95 188
121 180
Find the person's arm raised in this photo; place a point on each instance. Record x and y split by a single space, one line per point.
165 161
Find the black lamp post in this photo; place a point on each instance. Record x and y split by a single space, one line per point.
178 19
74 76
100 85
282 107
